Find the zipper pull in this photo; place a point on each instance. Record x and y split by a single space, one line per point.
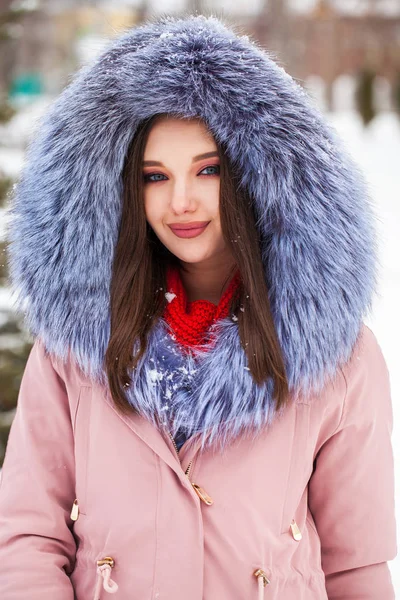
295 531
202 494
75 510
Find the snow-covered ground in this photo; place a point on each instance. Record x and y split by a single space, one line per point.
376 149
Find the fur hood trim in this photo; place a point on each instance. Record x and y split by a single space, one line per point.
315 221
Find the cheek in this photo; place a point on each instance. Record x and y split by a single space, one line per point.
151 209
210 202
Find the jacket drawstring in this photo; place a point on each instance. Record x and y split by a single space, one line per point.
104 567
262 581
260 587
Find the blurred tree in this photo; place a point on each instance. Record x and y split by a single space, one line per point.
5 186
365 95
12 364
14 349
3 270
9 16
273 27
196 6
396 94
6 110
142 11
10 30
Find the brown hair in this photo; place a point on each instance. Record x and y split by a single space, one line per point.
139 278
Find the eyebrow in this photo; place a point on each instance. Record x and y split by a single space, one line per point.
156 163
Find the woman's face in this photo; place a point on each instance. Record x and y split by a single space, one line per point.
181 189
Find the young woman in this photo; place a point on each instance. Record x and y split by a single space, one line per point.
204 413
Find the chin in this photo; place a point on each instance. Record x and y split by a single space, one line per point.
190 257
195 250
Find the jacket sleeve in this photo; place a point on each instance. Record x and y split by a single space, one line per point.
351 490
37 547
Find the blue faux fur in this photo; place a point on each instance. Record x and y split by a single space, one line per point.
212 392
315 221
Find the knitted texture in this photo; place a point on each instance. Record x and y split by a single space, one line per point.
190 321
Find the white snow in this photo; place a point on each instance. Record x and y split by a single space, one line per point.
155 375
18 130
5 299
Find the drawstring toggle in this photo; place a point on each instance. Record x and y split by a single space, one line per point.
262 580
104 567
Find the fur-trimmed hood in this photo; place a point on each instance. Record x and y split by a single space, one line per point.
314 218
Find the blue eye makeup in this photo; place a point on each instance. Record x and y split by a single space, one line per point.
147 177
154 177
212 167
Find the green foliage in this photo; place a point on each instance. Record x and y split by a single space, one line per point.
396 94
7 18
14 350
12 365
6 111
3 265
365 95
5 186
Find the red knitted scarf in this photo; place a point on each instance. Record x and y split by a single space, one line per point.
191 320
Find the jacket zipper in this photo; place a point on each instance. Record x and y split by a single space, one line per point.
202 494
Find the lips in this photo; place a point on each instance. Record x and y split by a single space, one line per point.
188 230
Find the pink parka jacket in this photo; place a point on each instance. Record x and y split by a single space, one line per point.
304 513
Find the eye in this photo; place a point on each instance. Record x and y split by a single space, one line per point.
154 177
211 167
158 177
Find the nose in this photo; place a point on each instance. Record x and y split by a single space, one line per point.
182 199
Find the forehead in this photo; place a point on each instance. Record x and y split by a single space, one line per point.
170 128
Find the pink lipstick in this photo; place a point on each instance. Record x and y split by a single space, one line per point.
188 230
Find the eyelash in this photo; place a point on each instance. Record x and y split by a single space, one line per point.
147 179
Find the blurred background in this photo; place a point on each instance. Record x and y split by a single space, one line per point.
345 53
